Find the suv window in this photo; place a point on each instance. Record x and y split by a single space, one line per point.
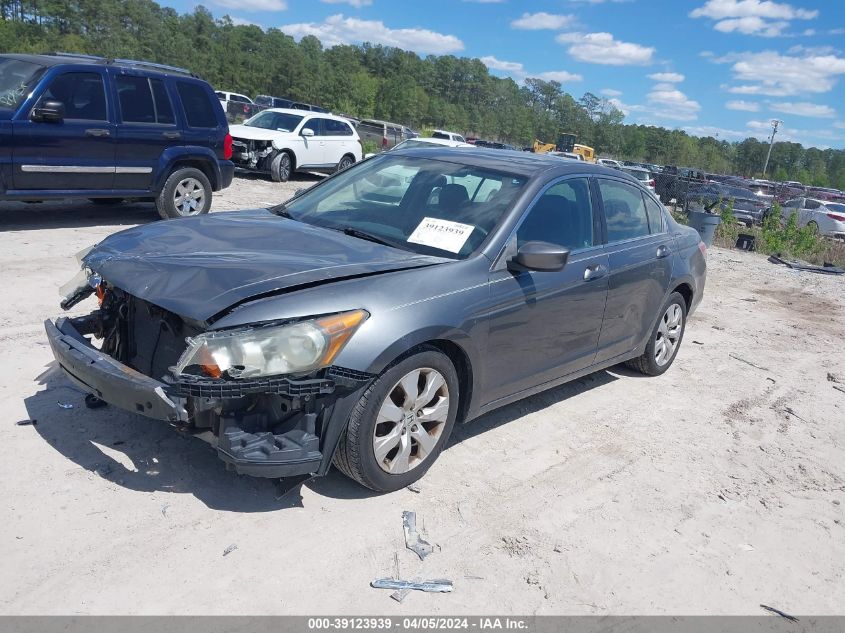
563 216
82 94
279 121
333 127
164 108
624 211
196 104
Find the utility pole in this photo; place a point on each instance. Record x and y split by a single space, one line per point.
775 123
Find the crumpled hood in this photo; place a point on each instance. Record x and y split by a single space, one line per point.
198 267
256 133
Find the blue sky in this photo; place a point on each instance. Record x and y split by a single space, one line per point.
714 67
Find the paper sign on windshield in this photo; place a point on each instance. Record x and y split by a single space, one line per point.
442 234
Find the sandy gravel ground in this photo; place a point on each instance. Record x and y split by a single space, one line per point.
709 490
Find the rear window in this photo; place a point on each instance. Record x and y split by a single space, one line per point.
196 104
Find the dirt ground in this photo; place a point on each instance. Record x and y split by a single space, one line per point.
710 490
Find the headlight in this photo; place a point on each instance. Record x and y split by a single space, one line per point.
271 350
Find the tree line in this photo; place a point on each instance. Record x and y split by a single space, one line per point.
374 81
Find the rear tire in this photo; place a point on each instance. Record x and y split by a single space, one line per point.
345 163
281 168
375 420
186 192
665 339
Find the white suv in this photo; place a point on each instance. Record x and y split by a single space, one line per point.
449 136
280 141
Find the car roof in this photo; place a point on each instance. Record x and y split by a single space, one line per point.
507 160
305 113
58 59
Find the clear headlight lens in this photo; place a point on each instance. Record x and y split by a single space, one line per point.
270 350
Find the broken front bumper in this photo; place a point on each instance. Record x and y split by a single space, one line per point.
298 451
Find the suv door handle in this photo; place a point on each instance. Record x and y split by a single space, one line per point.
98 132
172 134
663 251
596 271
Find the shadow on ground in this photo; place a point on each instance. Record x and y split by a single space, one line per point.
22 216
148 455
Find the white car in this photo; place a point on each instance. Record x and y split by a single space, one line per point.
423 142
645 177
225 97
281 141
449 136
826 217
609 162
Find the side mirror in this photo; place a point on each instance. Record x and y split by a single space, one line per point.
539 256
307 131
49 110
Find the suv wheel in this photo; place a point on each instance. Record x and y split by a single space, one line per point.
665 338
281 167
401 423
186 192
345 163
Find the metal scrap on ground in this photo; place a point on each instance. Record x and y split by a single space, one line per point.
799 265
413 541
440 585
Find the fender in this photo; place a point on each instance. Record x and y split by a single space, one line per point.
187 153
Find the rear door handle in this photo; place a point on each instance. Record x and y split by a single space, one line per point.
663 251
596 271
98 132
172 135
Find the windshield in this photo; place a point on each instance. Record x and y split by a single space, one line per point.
278 121
16 80
427 206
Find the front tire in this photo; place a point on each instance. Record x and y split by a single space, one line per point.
281 168
401 424
665 339
186 192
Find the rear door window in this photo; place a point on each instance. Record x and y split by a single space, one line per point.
164 108
624 210
655 215
333 127
196 104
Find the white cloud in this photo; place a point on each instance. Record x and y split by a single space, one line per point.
745 106
610 92
559 75
717 132
667 77
770 73
670 103
518 72
543 20
337 29
352 3
253 5
602 48
803 108
764 18
512 68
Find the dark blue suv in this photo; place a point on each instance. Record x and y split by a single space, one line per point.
76 126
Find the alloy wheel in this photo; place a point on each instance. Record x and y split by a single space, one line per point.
411 420
668 334
189 197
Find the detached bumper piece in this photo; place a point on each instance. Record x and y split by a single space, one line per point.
295 452
108 379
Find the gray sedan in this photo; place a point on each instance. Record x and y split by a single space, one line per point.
356 323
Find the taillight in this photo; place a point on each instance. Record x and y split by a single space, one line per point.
227 147
703 248
838 218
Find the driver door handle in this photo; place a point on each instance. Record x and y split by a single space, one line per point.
596 271
663 251
97 132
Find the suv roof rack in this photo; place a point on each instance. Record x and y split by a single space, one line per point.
128 62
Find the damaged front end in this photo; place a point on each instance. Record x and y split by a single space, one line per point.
268 396
252 154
